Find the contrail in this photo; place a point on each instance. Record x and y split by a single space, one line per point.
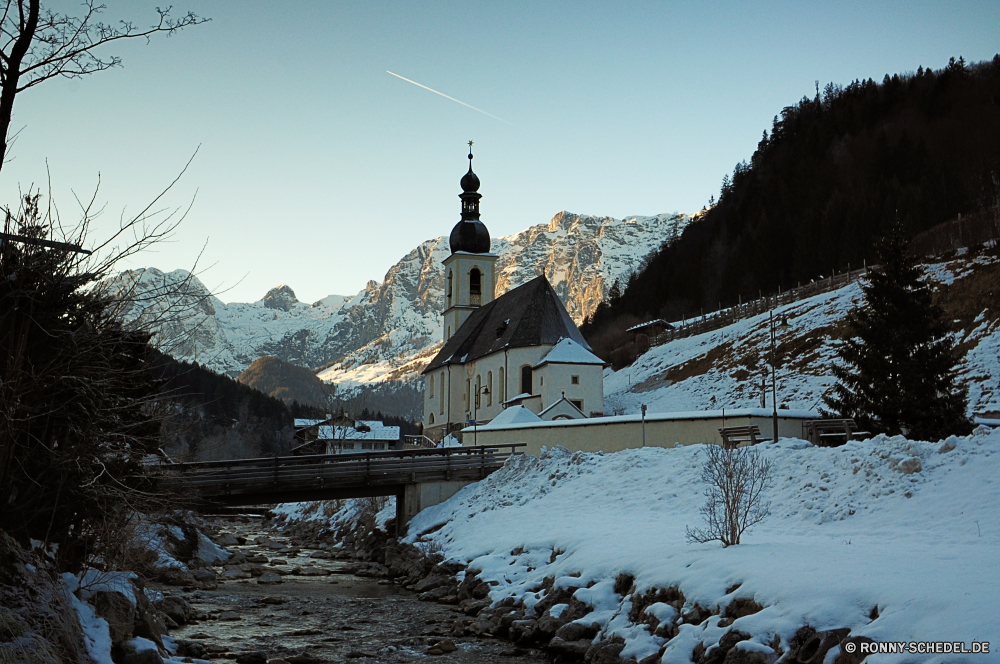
447 97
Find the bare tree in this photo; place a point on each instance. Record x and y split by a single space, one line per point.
37 44
737 479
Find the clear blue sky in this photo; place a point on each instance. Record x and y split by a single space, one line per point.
320 170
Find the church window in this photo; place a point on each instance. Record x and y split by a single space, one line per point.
441 393
432 387
526 379
577 402
475 287
430 420
574 380
489 388
449 295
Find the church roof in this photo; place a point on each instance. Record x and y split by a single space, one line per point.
529 315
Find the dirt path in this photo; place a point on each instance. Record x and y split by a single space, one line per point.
336 617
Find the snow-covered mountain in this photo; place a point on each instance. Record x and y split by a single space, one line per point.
389 329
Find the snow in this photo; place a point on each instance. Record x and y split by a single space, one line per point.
742 351
907 526
96 634
568 351
510 416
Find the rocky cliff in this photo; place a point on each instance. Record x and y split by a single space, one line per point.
389 329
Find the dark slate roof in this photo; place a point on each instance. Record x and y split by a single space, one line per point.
530 315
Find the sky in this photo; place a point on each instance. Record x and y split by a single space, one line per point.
316 168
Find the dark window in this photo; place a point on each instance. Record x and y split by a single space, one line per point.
575 380
475 281
578 404
526 379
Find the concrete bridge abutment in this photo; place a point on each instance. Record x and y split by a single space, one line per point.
420 495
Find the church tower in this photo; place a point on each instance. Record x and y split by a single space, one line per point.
470 270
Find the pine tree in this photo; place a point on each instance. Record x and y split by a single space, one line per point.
899 366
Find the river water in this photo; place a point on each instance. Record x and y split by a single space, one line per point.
335 618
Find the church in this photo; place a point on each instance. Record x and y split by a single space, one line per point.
519 349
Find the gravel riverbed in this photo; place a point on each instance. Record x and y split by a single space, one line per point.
321 612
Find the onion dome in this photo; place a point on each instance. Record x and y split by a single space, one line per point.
470 234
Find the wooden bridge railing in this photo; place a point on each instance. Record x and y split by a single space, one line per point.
342 471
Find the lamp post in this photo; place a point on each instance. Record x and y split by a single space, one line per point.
774 389
643 425
475 406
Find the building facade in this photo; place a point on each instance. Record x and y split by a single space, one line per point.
521 348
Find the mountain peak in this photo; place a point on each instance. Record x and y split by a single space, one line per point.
281 297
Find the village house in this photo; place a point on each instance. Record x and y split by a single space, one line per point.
521 348
343 435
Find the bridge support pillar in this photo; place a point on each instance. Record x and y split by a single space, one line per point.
421 495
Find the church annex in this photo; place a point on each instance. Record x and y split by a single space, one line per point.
521 348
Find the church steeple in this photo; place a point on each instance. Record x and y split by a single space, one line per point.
470 234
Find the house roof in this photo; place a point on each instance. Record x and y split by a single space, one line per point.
512 415
529 315
568 351
566 403
658 321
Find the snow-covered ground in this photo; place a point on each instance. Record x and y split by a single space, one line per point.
908 527
723 368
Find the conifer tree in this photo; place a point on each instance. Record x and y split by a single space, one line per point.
899 367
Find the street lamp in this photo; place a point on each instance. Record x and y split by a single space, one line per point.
774 389
475 405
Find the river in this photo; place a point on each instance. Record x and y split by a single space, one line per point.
331 618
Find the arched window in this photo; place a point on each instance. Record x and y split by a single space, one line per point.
526 379
502 386
432 387
430 420
489 388
441 394
475 287
449 288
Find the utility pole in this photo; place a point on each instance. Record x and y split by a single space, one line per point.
774 389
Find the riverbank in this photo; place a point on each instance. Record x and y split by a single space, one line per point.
585 555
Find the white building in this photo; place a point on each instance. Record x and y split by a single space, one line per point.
329 437
521 348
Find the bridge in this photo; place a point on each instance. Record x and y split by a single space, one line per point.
418 478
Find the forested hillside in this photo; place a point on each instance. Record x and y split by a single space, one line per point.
210 416
285 381
829 177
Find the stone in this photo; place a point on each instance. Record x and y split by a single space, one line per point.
252 658
227 539
269 578
176 608
430 583
272 600
605 652
310 570
472 607
258 559
446 645
230 615
174 576
740 656
187 648
576 631
576 649
205 578
143 657
232 573
118 611
523 631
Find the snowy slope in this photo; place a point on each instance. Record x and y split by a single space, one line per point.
905 526
723 368
388 330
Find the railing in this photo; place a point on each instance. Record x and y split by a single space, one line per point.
342 471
